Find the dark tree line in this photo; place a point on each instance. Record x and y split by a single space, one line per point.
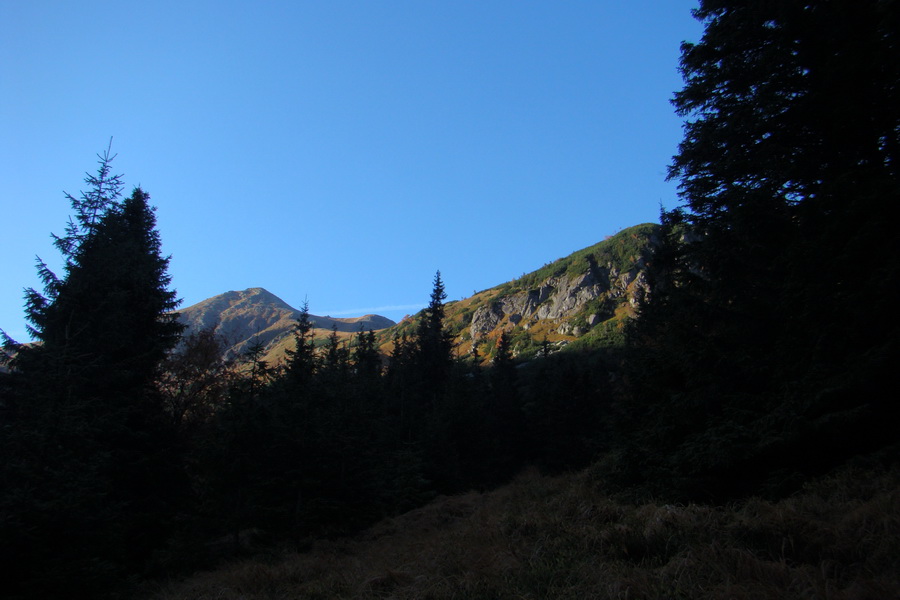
129 450
340 436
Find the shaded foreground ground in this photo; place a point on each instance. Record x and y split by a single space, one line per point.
562 537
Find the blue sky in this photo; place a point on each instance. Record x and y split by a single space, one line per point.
341 151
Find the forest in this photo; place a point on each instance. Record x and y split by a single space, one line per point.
760 362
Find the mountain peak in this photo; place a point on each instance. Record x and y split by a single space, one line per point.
257 315
258 295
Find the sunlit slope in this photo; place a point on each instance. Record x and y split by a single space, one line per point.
256 315
581 299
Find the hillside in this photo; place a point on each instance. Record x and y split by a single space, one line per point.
256 314
563 537
581 299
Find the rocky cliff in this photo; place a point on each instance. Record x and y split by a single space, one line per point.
562 298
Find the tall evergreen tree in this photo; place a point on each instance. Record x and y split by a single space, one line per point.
103 193
336 359
301 361
789 175
789 164
91 440
366 359
503 414
434 344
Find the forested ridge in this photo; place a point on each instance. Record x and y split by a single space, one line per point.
759 366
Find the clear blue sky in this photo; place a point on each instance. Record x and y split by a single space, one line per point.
337 150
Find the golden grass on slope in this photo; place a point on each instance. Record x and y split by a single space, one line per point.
562 537
276 354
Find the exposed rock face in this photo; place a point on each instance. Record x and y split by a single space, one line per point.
562 297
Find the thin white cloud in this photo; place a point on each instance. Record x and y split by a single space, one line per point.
375 309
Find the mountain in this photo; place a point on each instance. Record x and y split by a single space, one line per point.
256 314
580 300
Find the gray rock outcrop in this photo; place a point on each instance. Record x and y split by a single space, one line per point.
562 297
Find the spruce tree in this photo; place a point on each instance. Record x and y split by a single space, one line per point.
434 344
336 359
789 167
301 361
91 440
504 417
366 359
753 345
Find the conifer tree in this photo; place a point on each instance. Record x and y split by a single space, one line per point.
336 359
789 164
366 359
103 195
503 376
505 418
789 178
301 361
401 378
434 344
88 409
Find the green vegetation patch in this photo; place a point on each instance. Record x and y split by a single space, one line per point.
621 251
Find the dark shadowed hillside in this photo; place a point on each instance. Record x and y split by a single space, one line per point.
563 537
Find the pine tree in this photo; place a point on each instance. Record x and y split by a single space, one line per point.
301 361
88 409
336 359
503 377
103 195
789 164
788 173
401 379
434 344
506 424
366 359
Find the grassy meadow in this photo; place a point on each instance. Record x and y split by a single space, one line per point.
565 537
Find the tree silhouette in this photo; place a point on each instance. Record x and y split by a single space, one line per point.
301 361
434 344
753 342
366 359
91 438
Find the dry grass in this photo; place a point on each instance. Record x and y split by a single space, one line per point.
562 537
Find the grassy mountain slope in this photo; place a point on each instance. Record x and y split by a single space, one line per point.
255 314
582 298
563 537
